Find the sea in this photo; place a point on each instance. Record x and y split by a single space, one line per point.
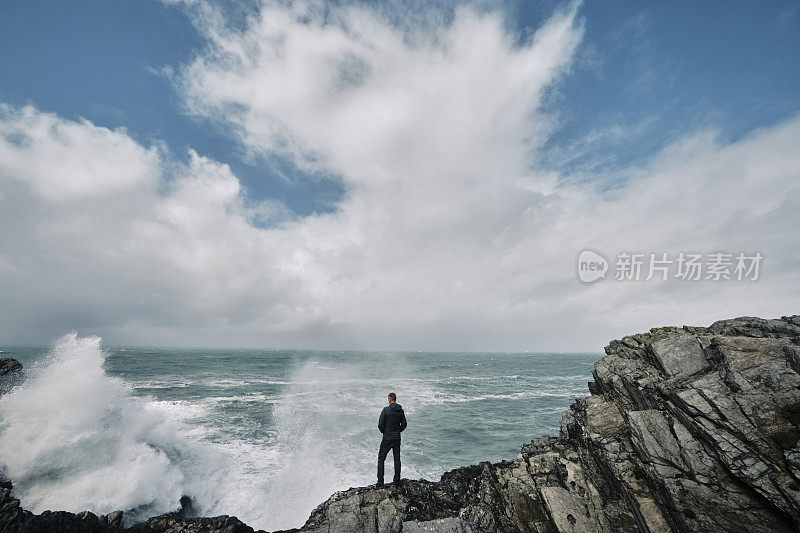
265 435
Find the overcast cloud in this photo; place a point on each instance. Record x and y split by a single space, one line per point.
452 233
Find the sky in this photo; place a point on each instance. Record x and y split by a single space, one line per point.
392 175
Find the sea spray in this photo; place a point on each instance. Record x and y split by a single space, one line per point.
265 435
325 439
74 438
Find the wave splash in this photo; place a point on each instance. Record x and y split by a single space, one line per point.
74 438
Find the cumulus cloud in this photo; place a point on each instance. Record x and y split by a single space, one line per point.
33 140
103 233
451 235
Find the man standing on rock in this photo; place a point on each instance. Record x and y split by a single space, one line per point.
391 422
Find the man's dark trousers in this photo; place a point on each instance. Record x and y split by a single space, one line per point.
387 445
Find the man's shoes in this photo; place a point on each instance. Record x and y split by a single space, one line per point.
379 485
396 483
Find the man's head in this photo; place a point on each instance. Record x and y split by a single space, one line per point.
392 397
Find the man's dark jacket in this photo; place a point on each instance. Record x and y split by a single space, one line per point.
392 421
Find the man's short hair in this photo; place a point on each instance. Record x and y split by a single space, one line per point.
393 396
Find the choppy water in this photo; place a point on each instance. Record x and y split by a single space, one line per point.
265 435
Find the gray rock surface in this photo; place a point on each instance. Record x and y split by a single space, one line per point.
686 429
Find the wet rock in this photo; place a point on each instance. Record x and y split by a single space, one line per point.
687 429
176 523
14 519
11 374
9 365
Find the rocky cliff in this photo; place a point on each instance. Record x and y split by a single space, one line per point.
686 429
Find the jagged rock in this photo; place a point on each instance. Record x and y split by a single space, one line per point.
686 429
175 523
180 522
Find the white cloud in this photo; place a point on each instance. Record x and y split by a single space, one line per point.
449 236
32 140
373 101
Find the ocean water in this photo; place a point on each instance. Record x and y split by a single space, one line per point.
265 435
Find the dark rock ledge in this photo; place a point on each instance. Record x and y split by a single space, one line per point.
686 429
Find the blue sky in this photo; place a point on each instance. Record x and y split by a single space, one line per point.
100 60
390 174
655 69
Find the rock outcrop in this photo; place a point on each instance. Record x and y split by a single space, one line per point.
686 429
11 374
9 366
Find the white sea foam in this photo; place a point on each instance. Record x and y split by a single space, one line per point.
180 410
75 438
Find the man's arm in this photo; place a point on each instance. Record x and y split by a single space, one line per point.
382 421
403 423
